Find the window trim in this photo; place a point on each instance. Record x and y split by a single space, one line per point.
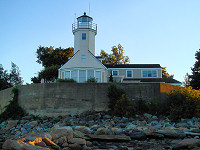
117 72
131 73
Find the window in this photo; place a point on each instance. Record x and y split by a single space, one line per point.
149 74
83 36
154 73
115 72
98 76
74 75
83 58
82 76
67 75
129 73
90 74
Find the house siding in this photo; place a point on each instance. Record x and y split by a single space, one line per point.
137 72
90 63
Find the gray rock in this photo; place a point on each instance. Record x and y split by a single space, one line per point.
167 125
187 144
107 117
27 117
172 134
154 117
181 125
154 123
122 125
142 123
137 135
27 126
110 137
192 134
147 116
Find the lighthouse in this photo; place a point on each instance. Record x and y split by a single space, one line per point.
84 66
84 31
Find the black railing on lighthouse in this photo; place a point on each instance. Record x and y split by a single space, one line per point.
84 25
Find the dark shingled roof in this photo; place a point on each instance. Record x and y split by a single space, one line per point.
132 66
166 80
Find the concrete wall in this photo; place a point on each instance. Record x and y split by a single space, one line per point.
54 99
5 97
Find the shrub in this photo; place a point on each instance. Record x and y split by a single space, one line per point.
114 94
124 107
183 103
66 80
92 80
13 110
140 106
154 106
120 104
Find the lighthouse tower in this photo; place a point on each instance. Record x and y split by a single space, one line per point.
84 31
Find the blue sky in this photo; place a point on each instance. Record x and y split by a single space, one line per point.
166 32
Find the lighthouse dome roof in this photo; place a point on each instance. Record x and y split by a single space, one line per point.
84 18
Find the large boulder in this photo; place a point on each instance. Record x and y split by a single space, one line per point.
20 145
59 132
78 141
187 144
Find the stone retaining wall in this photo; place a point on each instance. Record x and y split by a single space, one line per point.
5 97
53 99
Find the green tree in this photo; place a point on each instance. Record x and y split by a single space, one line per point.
14 77
4 78
11 79
49 73
165 74
195 77
116 57
51 59
48 56
36 79
186 82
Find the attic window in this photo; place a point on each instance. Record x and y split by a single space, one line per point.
83 58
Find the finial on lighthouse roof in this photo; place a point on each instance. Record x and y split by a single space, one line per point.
84 13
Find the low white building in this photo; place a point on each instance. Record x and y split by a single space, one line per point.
84 65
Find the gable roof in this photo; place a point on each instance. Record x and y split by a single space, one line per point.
132 65
75 61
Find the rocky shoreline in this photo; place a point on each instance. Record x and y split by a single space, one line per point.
98 130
